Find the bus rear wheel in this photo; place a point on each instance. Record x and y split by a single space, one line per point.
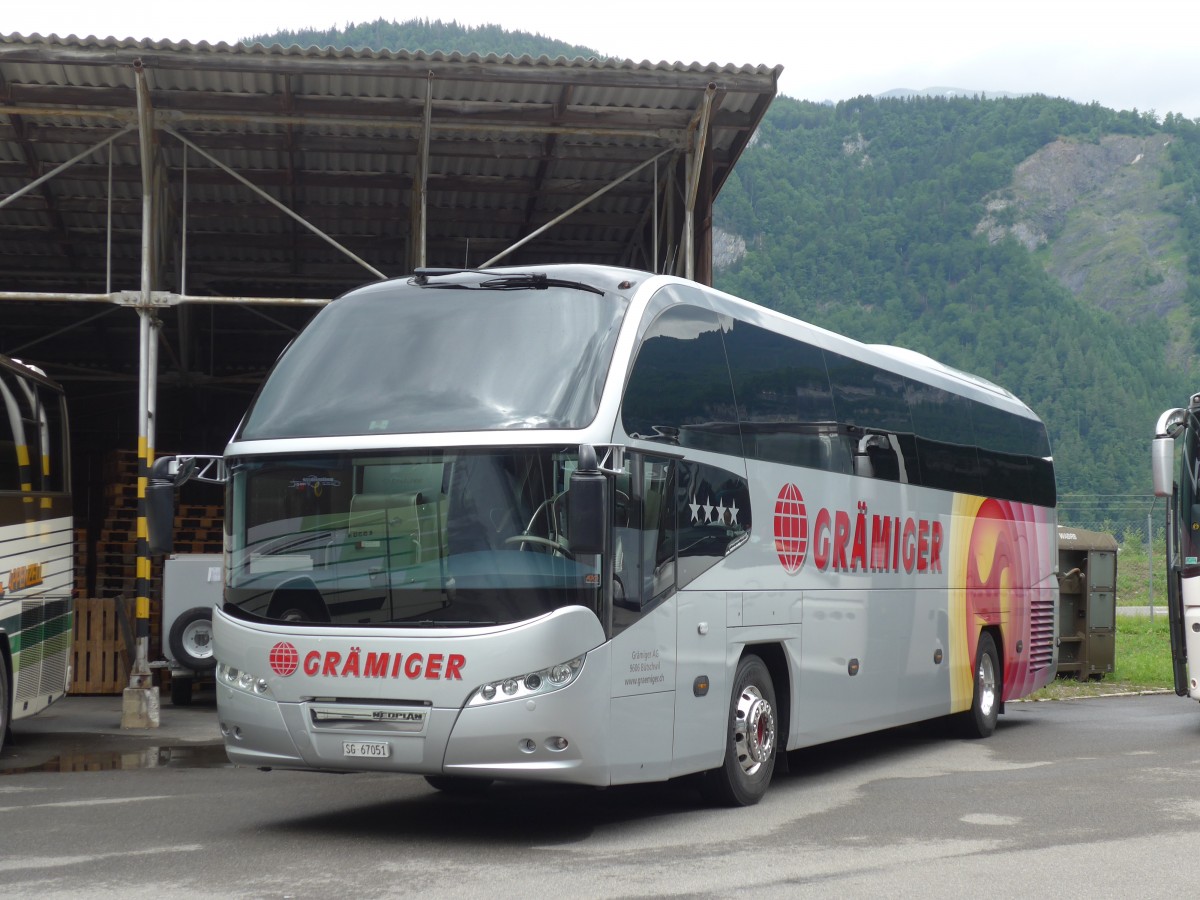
750 741
980 720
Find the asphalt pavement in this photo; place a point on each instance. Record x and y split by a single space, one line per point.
85 733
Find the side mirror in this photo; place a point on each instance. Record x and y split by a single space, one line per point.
1162 461
587 505
160 504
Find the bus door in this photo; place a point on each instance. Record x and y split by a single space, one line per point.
643 618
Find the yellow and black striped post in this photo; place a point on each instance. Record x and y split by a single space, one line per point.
140 703
140 707
140 678
25 473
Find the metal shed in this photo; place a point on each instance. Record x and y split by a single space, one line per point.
171 214
222 191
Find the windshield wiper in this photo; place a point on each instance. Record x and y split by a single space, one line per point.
438 623
524 281
535 281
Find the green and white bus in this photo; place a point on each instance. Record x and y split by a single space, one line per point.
36 548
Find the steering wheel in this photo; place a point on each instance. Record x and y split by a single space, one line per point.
548 543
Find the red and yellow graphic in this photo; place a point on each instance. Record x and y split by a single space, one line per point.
997 557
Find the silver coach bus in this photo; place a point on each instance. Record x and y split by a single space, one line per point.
591 525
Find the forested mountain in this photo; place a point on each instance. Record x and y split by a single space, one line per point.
947 225
1050 246
430 36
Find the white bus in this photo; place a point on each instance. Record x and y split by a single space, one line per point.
1182 427
590 525
36 547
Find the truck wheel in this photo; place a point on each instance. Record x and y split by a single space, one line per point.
750 741
297 603
191 639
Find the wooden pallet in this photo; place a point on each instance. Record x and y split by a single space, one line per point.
79 573
99 662
101 665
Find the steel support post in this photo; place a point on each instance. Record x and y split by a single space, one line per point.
697 148
140 703
420 190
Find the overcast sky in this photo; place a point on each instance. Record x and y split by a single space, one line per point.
1143 54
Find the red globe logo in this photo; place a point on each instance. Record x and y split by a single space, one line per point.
284 659
791 528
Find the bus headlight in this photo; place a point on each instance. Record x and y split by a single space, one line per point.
531 684
241 680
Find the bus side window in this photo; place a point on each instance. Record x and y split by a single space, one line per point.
713 514
646 546
644 555
679 391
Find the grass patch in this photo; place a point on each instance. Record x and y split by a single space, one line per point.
1142 662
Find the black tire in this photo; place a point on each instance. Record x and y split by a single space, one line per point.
181 690
5 704
980 720
191 640
451 784
297 604
752 736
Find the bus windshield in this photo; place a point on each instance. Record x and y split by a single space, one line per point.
444 538
401 358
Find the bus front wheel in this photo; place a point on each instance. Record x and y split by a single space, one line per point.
750 741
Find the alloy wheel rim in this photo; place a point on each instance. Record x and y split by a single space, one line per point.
753 730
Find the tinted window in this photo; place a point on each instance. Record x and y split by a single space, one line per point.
1013 456
1007 433
945 438
679 390
874 400
644 557
401 359
867 396
784 402
713 515
800 405
440 538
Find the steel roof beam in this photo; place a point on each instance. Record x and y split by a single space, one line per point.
280 206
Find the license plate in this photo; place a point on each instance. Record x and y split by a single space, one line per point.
375 749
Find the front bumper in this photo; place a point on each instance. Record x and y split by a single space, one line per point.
560 736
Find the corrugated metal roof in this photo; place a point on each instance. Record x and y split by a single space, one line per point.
337 132
336 136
